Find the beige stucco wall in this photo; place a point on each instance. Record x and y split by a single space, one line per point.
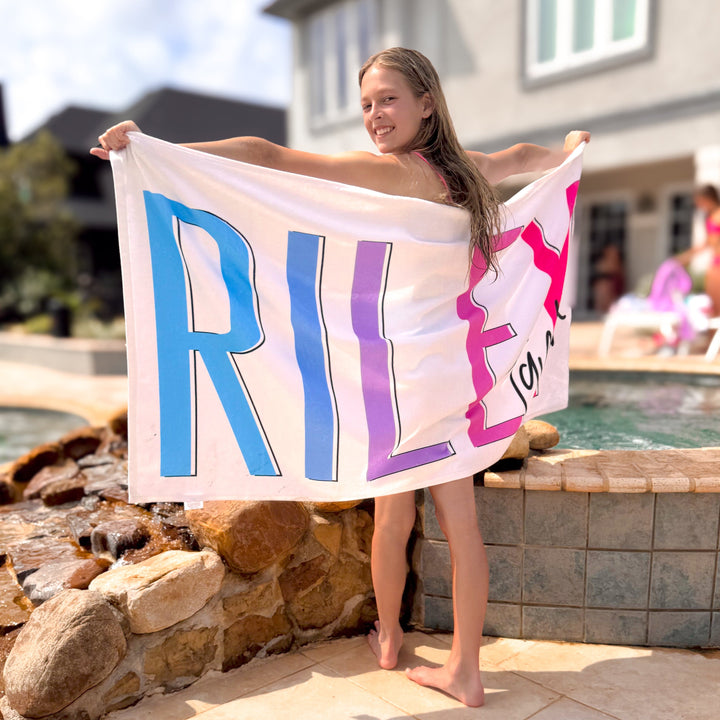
477 47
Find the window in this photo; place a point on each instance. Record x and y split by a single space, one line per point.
680 221
340 38
563 35
608 229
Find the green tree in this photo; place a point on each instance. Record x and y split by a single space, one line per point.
37 231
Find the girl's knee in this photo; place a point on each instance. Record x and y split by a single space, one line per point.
395 515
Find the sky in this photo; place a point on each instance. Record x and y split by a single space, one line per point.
106 54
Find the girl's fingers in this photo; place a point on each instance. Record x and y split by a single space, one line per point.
100 152
114 138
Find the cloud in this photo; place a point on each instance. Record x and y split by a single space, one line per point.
106 54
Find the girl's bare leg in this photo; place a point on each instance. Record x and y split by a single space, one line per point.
460 676
394 520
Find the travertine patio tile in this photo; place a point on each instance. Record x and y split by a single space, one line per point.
508 697
565 709
316 693
215 689
318 652
627 683
496 650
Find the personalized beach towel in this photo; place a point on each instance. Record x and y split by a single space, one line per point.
294 338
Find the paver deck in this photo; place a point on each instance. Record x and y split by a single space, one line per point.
340 680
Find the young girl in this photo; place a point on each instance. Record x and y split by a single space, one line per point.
406 116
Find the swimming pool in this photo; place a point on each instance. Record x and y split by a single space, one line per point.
21 429
639 411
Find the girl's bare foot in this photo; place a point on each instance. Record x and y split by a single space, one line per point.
468 689
386 646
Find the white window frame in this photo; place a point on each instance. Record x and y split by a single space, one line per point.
604 48
334 111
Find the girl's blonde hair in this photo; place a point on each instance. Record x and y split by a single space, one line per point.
438 142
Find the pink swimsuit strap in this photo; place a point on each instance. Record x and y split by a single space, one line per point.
711 226
442 179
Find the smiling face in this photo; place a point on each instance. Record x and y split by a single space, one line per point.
392 113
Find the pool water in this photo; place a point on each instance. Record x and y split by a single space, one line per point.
21 429
639 411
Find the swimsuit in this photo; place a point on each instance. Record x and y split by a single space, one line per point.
442 179
711 228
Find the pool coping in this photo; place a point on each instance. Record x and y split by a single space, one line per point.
688 470
676 365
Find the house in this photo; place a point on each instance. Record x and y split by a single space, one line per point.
3 127
641 75
171 114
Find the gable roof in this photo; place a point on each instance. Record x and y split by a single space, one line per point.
75 127
173 115
183 116
3 128
293 9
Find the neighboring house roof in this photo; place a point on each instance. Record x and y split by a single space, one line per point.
173 115
182 116
75 127
293 9
3 129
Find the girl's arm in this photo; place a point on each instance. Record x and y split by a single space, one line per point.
524 157
383 173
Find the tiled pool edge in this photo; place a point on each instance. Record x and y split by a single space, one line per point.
625 550
621 471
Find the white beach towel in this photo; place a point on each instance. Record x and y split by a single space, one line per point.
294 338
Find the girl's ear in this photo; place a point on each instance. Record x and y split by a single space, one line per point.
428 105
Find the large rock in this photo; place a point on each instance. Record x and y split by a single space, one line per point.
249 536
14 607
116 536
252 633
519 446
118 423
60 492
541 435
29 555
163 590
69 645
25 467
48 475
180 658
81 442
55 577
338 506
7 490
347 580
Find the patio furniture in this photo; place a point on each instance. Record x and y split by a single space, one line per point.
714 347
663 310
665 322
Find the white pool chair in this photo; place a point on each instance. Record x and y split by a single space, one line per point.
714 347
665 322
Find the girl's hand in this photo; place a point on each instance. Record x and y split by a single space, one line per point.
574 138
115 138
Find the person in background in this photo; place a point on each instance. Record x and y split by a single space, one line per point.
707 200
